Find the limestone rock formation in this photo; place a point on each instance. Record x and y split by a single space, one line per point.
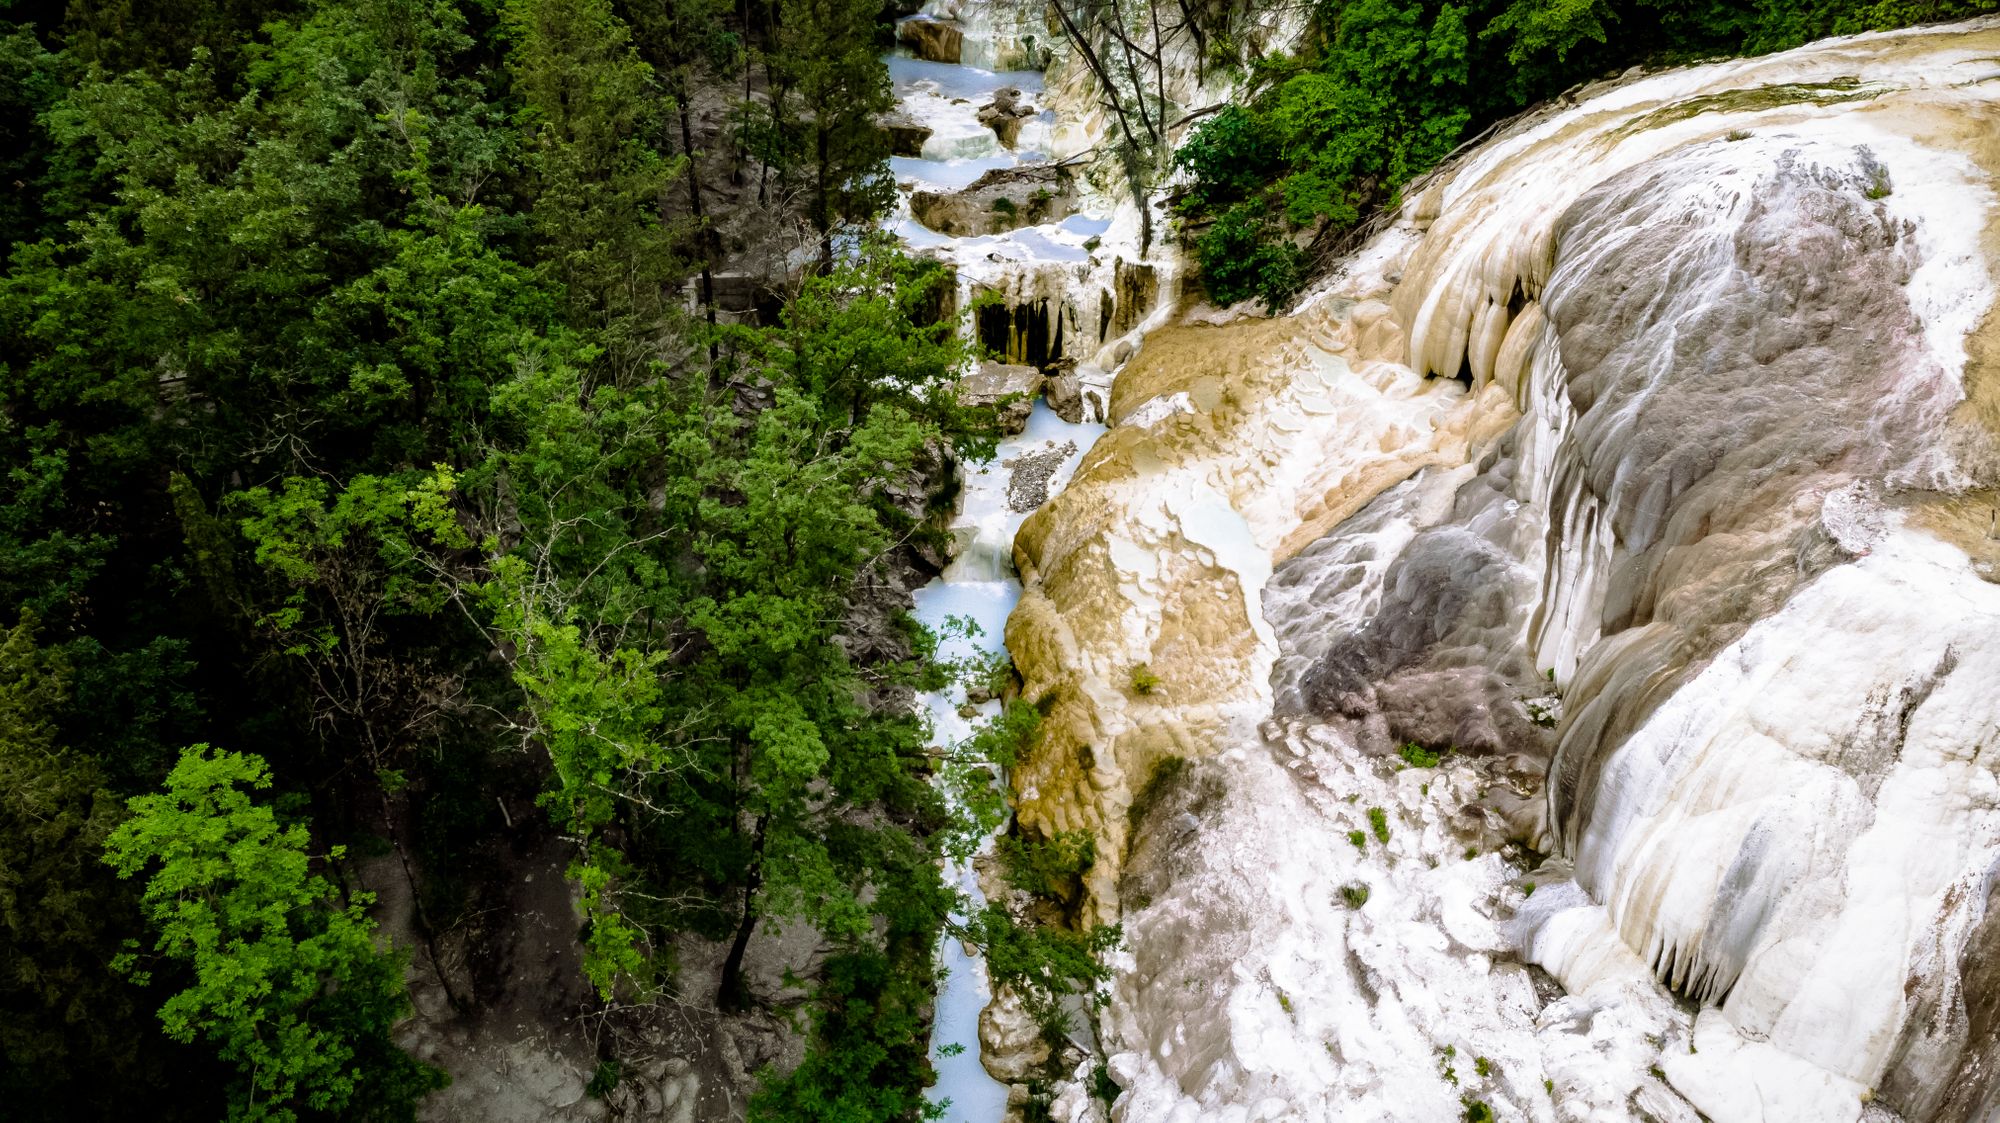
1064 391
1638 517
1010 1041
1000 200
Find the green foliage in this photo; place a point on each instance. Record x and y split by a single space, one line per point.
1101 1084
1476 1111
287 982
868 1059
1387 88
604 1080
1144 681
74 1036
1044 965
1416 756
1230 156
1359 839
1243 254
1355 894
1052 868
1378 822
826 52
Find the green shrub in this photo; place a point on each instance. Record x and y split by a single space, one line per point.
1101 1084
1355 894
1052 868
1231 155
1416 756
1378 821
1004 205
1359 839
1245 254
1476 1111
1144 681
604 1080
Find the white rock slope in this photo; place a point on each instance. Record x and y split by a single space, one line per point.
1686 547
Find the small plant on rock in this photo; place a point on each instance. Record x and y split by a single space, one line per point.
1416 756
1378 821
1355 894
1144 681
1359 839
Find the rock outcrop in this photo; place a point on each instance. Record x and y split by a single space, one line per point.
1012 387
906 134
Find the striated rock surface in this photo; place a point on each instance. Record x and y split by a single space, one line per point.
1598 574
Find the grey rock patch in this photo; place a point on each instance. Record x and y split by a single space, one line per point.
1028 488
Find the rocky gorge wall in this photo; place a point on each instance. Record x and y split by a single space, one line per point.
1642 471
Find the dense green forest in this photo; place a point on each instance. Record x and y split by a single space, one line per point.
381 484
1384 89
369 471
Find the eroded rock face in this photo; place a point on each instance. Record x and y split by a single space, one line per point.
1000 200
1010 1042
935 40
1064 390
1656 497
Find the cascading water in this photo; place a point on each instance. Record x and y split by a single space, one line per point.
979 587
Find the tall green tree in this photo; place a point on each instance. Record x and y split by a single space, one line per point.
592 109
827 52
288 982
73 1040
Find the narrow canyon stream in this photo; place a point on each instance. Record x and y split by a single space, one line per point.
980 587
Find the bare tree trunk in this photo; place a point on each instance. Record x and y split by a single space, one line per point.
732 995
1200 42
1096 65
704 237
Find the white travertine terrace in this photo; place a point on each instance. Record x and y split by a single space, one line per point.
1722 461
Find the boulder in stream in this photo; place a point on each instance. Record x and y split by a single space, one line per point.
1001 200
996 383
906 134
1064 391
1004 115
1011 1045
